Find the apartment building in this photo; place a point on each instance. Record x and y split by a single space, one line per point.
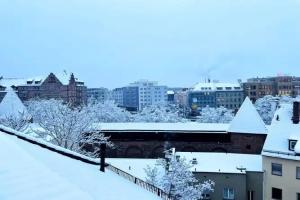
100 94
281 155
256 88
140 94
214 94
60 86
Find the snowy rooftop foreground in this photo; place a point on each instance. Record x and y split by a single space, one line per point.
29 172
11 105
186 127
280 132
247 120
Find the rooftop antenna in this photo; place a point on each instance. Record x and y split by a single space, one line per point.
241 168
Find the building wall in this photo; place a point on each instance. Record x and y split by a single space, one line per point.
73 93
255 183
117 95
230 99
256 88
226 180
202 99
100 94
131 98
140 94
152 145
287 182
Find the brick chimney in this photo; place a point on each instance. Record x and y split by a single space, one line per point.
296 112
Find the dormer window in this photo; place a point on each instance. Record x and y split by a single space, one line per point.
292 144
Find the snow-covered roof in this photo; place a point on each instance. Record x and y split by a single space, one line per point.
9 82
11 105
215 86
29 172
164 127
280 132
223 162
207 162
247 120
63 77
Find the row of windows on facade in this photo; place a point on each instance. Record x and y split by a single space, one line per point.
148 88
221 88
236 94
212 100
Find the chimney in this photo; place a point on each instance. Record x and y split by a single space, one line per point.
296 112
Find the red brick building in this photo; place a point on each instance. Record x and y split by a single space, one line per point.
65 87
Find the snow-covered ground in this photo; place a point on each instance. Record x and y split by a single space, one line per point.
29 172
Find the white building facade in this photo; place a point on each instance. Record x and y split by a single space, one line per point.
150 93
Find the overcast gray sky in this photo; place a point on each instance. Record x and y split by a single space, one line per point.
176 42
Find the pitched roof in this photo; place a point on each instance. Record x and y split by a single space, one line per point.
247 120
11 105
280 132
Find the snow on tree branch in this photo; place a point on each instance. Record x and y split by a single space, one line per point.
65 126
17 122
159 113
215 115
176 178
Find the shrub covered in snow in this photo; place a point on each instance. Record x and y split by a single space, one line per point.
266 107
215 115
159 113
108 112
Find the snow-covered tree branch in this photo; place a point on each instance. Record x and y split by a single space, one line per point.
108 111
66 126
18 122
159 113
215 115
176 178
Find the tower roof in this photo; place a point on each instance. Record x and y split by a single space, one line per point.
247 120
11 104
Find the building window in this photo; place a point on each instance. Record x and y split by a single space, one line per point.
298 196
276 193
276 169
292 144
298 173
228 194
